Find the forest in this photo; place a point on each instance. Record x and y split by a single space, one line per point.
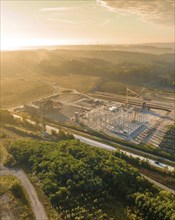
122 66
83 182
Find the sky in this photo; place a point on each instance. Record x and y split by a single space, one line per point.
27 23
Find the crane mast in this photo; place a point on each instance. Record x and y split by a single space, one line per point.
127 92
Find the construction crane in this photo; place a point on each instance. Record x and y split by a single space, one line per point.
135 93
127 91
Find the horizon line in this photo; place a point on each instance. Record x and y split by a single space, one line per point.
83 44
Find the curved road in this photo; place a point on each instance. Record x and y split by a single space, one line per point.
36 205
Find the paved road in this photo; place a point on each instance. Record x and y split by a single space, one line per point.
127 149
36 205
108 147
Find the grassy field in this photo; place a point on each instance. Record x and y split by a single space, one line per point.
17 91
82 83
22 87
13 202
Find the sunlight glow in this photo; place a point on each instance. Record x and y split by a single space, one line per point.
17 44
27 24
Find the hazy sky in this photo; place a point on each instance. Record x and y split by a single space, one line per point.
27 23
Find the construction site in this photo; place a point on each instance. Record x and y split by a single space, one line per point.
130 117
117 119
126 119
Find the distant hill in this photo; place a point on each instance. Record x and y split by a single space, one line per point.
69 67
162 45
152 48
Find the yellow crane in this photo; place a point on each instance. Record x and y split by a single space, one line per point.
126 102
127 91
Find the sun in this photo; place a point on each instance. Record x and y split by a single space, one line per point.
17 44
6 45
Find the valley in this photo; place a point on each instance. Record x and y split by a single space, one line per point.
76 104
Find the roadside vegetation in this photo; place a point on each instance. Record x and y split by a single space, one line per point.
162 175
152 150
168 142
13 200
23 128
80 181
155 151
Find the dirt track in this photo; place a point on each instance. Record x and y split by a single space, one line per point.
36 205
